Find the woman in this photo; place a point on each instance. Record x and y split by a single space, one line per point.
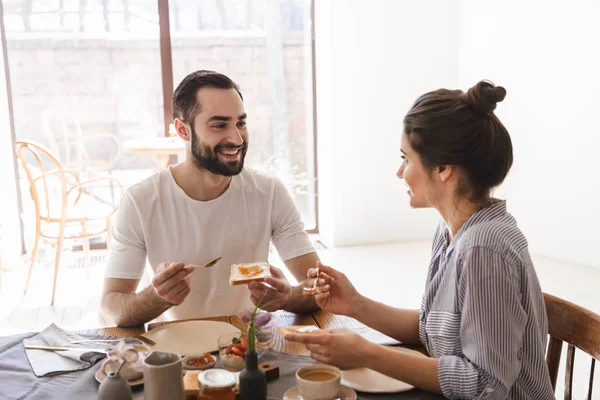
482 318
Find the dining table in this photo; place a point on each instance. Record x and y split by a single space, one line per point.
289 356
161 148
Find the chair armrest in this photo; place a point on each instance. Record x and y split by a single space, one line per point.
61 172
79 186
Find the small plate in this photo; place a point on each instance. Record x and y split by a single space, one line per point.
100 376
369 381
191 368
345 393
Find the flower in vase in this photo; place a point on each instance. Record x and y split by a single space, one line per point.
258 331
124 359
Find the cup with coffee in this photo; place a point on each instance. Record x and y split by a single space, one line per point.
319 382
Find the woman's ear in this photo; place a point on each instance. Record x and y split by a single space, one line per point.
445 172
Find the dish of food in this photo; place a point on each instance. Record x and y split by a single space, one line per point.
311 290
244 273
199 362
282 330
233 355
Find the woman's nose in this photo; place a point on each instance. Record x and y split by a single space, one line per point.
400 173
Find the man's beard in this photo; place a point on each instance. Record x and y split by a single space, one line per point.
208 159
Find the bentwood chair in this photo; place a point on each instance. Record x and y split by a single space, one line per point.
61 204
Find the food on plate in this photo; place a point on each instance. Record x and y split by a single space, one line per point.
200 362
282 330
233 356
244 273
314 289
311 290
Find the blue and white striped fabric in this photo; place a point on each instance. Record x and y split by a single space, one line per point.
483 312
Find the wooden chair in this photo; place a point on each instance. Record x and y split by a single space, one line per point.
66 139
579 328
60 205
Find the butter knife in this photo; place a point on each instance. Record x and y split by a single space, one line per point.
57 348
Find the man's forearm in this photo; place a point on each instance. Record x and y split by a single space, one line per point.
132 309
299 302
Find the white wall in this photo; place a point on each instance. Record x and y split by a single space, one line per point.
374 58
547 56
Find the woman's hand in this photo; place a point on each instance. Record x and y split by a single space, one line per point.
339 347
337 294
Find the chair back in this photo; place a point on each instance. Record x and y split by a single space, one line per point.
46 177
65 139
579 328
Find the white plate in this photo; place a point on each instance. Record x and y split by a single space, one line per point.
345 393
100 376
369 381
189 337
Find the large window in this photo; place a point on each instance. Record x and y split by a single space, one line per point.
87 75
266 47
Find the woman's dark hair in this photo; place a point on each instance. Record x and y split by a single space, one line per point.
450 127
184 97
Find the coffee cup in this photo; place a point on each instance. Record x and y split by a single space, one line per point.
319 382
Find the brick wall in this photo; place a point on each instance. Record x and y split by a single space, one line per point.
114 86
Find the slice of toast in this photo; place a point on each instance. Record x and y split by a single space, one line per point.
308 329
244 273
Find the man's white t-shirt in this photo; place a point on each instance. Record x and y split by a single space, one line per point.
157 220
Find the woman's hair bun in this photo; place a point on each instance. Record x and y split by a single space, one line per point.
484 96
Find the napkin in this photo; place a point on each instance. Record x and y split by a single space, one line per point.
48 363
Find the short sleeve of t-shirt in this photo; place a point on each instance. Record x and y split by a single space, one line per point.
128 249
288 234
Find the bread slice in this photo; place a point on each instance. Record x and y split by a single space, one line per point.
244 273
308 329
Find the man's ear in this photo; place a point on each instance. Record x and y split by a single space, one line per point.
182 129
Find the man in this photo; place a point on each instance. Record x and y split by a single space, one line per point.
206 207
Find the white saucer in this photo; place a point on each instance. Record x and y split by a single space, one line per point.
345 393
100 376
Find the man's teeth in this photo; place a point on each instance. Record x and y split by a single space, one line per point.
230 152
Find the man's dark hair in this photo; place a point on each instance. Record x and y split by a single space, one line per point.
184 97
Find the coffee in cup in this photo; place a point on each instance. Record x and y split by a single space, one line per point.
319 382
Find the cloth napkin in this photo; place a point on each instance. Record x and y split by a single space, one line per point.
48 363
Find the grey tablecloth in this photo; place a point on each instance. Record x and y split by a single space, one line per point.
17 380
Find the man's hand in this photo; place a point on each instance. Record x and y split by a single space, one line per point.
339 347
171 282
276 296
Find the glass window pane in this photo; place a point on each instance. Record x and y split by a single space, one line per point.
86 76
264 46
